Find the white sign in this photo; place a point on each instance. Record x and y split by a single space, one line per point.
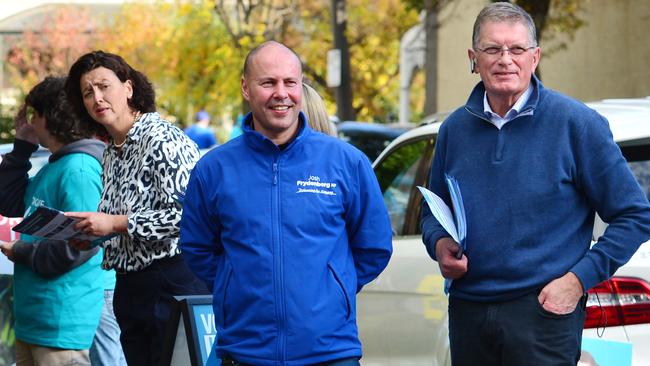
334 68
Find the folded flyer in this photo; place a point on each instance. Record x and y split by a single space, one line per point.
51 224
455 224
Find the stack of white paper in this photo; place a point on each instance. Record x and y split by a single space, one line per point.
456 224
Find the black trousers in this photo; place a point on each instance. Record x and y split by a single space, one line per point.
142 303
517 332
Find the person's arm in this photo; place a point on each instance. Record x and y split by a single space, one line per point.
199 231
78 189
14 178
610 187
369 229
171 161
50 258
14 167
212 138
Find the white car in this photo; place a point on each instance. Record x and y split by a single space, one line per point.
402 315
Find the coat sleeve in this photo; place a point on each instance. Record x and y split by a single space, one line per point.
171 161
200 233
368 225
50 258
608 183
14 178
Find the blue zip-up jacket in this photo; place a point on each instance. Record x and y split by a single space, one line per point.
285 238
530 192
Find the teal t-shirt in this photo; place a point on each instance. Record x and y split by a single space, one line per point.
63 311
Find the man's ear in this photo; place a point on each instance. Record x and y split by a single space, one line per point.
472 61
244 88
537 54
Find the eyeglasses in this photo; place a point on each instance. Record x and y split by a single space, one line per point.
514 51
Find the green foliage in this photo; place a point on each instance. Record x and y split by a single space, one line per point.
193 52
374 29
200 48
555 19
50 49
7 335
6 127
185 51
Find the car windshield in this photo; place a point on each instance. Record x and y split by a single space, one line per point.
371 138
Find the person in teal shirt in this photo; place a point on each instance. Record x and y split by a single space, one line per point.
58 290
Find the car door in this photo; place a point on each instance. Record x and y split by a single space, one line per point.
403 313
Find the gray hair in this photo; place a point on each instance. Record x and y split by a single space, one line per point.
504 12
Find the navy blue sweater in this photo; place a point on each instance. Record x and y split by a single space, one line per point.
531 190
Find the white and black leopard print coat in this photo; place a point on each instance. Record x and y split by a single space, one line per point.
144 181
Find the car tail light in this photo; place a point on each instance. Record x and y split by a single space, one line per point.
618 301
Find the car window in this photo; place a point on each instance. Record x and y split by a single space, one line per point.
637 155
399 173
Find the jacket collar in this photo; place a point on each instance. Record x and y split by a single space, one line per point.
474 103
259 141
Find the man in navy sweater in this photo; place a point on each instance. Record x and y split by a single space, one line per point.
533 167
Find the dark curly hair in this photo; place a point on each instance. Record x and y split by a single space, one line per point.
49 100
144 96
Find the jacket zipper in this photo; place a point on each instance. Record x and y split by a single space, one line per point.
277 263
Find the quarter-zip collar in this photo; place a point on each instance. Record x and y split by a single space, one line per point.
475 105
259 142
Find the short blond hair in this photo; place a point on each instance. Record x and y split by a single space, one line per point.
314 108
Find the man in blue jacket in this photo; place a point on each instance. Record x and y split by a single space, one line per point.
286 225
533 166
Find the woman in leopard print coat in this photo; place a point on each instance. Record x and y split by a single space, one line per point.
145 169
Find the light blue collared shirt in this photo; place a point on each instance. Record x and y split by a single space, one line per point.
499 121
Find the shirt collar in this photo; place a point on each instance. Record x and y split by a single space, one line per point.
513 112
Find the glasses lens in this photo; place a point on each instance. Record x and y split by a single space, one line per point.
492 50
517 50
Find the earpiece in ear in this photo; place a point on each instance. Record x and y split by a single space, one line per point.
472 65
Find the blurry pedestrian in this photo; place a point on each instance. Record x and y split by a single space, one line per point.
145 169
58 290
287 255
236 128
314 109
200 132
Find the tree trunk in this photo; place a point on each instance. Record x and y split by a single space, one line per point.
431 57
343 92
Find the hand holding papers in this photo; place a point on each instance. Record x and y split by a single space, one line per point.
457 227
48 223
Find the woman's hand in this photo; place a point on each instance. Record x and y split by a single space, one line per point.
24 129
7 249
98 223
